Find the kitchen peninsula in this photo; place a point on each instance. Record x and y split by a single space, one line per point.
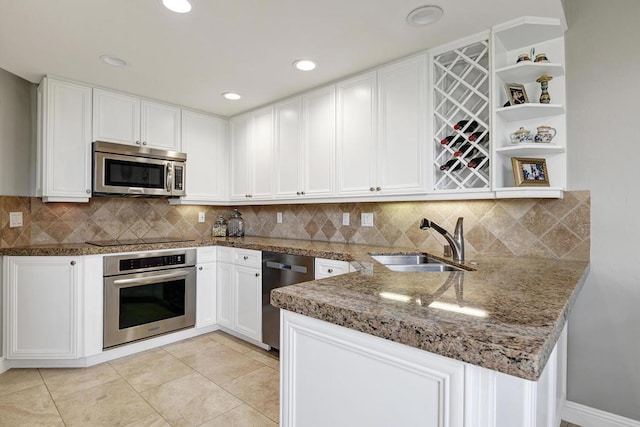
472 336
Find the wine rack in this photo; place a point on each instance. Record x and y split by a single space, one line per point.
461 112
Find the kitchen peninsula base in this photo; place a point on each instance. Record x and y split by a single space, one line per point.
331 375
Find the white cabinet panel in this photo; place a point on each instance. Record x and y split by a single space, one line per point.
206 294
42 307
330 267
356 137
64 141
224 294
288 148
240 134
116 117
319 123
204 140
248 305
160 125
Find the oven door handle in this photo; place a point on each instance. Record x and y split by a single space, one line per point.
150 279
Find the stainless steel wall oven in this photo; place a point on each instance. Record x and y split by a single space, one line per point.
148 294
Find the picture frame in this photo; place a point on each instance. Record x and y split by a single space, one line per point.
516 93
528 172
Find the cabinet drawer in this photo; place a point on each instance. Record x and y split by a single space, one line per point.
224 254
330 267
247 257
206 254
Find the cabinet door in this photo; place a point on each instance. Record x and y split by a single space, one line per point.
203 139
42 307
116 117
288 148
160 126
240 134
224 294
65 144
261 154
356 135
248 305
401 132
206 294
319 109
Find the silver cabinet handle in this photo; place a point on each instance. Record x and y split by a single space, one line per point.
200 268
245 257
372 188
302 192
298 193
378 188
330 270
257 274
144 142
137 142
72 263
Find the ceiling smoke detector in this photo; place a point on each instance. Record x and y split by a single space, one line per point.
114 61
177 6
425 15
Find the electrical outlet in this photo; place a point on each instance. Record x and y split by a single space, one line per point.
15 219
366 219
279 217
345 218
200 216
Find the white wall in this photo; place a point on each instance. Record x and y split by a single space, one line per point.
603 91
17 136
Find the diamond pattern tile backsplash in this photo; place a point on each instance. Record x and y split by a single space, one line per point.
550 228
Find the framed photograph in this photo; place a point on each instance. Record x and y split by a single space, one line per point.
516 93
530 172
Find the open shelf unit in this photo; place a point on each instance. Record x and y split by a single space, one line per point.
509 40
461 87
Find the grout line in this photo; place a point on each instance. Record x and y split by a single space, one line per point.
55 404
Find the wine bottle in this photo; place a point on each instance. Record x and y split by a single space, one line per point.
473 163
466 125
474 136
464 149
453 140
452 165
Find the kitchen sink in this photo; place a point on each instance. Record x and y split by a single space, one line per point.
413 263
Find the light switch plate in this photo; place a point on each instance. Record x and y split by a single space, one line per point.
279 217
367 219
345 218
15 219
200 216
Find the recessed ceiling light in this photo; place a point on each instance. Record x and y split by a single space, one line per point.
304 65
425 15
231 96
113 60
177 6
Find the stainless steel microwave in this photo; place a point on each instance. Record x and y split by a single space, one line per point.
126 170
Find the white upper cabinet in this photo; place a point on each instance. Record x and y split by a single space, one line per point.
356 139
204 139
64 139
402 113
382 130
252 155
128 119
305 145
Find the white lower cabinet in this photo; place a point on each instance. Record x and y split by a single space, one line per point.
42 307
206 287
239 291
335 376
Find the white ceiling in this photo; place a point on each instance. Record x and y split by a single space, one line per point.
246 46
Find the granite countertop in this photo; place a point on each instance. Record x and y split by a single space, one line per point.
506 315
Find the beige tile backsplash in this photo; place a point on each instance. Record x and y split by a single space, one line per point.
550 228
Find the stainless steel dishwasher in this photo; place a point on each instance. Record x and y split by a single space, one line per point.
278 270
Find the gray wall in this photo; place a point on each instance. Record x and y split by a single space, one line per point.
17 134
603 91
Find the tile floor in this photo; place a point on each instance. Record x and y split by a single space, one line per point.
210 380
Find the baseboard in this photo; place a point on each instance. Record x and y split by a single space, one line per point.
586 416
4 365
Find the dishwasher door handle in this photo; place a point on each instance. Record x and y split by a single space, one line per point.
281 266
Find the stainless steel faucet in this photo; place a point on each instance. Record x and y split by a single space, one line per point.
456 241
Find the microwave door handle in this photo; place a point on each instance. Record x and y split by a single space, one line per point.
150 279
169 172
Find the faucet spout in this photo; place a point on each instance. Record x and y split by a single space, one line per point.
456 241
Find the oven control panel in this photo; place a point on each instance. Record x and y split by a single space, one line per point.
148 261
152 262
